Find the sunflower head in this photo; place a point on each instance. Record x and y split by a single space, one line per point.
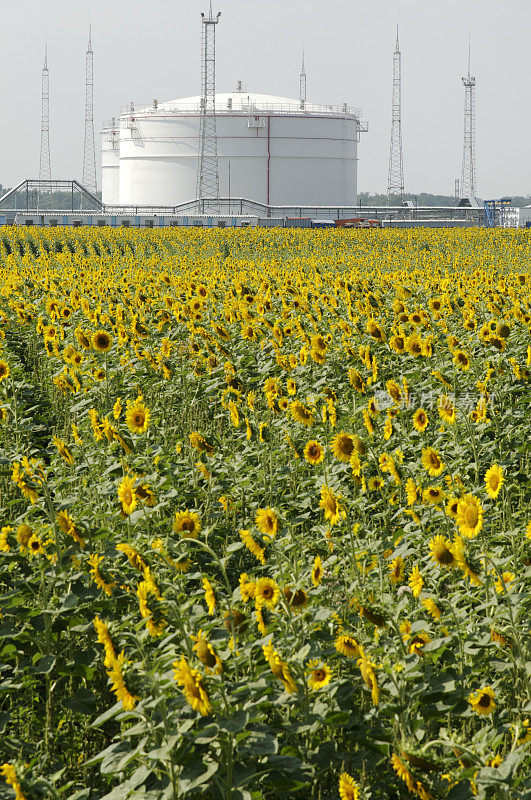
483 700
102 341
187 524
314 452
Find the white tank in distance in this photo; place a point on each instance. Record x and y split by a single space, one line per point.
273 150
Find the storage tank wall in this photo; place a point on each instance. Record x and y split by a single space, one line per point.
110 166
274 159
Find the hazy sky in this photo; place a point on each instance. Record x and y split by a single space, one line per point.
145 50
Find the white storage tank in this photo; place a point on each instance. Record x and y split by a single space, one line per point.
110 163
273 150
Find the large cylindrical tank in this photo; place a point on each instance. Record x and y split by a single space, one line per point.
110 163
270 149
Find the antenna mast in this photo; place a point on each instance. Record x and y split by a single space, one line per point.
45 172
395 181
468 173
89 150
302 83
207 168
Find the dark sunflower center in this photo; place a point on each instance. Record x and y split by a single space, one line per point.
313 450
267 592
319 674
299 598
446 556
484 700
346 445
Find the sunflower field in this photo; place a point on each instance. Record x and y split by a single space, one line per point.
265 514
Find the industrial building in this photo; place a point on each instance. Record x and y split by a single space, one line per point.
271 150
235 159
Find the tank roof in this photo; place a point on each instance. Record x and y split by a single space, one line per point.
244 102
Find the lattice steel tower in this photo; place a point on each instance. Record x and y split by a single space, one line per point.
468 172
395 181
302 83
207 168
45 172
89 149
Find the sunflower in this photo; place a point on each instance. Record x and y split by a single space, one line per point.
348 646
200 443
451 507
187 523
331 506
367 673
146 494
396 570
137 417
432 462
35 546
447 410
104 638
503 330
433 495
296 599
192 686
267 592
317 571
100 579
414 346
247 588
63 451
135 559
206 653
320 675
493 481
279 668
127 495
420 420
235 620
301 414
482 700
355 380
102 341
118 685
210 597
314 452
442 553
252 546
503 583
411 492
497 342
393 390
416 643
432 608
469 516
4 370
266 521
416 581
5 533
343 446
397 343
403 773
461 360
